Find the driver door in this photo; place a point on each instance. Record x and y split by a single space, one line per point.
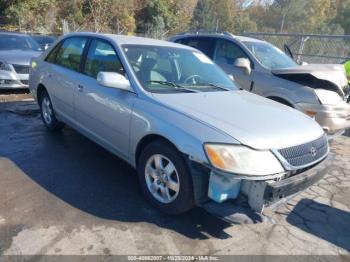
103 112
226 52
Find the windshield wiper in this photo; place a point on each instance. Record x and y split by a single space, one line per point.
214 85
176 86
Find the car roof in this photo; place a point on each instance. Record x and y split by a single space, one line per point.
12 33
131 40
223 35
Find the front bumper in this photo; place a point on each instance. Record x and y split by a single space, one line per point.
332 118
277 191
12 80
268 192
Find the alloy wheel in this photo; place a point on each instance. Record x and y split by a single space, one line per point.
162 178
46 110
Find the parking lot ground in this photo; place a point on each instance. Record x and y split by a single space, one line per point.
60 193
15 95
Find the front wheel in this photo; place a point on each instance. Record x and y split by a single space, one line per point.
164 178
48 114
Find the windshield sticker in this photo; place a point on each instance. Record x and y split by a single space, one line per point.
203 58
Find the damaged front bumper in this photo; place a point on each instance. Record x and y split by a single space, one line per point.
334 119
265 191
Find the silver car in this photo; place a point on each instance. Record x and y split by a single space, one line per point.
321 91
171 113
16 50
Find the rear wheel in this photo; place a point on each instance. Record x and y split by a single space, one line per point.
48 114
164 178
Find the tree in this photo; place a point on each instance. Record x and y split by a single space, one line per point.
343 15
33 15
156 18
71 13
204 16
288 9
224 15
183 12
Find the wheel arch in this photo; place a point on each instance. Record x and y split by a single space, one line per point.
40 90
199 173
281 100
148 139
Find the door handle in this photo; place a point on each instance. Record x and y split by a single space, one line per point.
80 88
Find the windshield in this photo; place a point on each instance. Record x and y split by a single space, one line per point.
8 41
270 56
167 69
43 39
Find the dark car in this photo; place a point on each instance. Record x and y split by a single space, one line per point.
44 41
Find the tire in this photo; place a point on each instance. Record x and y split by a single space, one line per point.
172 202
48 114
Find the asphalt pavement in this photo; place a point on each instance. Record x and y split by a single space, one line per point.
61 193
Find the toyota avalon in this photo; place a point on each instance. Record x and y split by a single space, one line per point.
176 117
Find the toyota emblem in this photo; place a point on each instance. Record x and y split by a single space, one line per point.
313 151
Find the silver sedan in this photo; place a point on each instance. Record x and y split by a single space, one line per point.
170 112
16 50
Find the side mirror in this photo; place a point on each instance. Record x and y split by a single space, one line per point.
114 80
243 63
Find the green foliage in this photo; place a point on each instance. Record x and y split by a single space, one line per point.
156 18
159 18
223 15
32 15
343 15
204 15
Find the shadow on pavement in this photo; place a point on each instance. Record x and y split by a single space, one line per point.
89 178
326 222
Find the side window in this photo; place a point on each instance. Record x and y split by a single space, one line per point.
102 58
204 44
69 55
227 52
51 58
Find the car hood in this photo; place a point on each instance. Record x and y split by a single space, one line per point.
19 57
332 73
253 120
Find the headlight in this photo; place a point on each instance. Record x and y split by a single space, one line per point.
5 66
242 160
328 97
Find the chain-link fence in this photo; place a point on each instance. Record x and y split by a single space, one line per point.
323 49
310 48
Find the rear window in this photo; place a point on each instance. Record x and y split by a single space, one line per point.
21 42
203 44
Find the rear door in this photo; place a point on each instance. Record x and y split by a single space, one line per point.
225 55
63 73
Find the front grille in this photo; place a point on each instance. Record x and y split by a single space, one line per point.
305 154
21 69
25 82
